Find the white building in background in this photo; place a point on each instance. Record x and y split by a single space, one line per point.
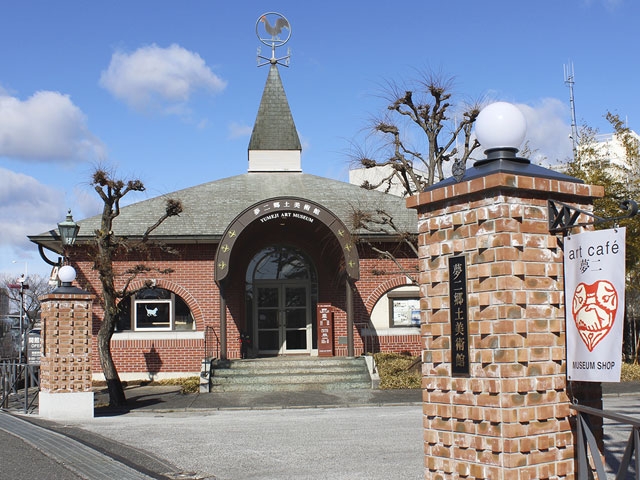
609 146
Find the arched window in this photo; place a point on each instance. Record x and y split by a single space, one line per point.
155 309
280 263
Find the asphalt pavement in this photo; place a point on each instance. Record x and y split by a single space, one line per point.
69 450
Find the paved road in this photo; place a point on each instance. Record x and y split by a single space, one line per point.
372 442
338 443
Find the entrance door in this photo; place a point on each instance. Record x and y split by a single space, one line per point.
283 318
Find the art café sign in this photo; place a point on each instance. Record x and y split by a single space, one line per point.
594 265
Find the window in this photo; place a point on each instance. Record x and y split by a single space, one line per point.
404 309
155 309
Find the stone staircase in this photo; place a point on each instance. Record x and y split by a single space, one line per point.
288 374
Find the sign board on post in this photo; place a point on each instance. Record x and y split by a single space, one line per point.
325 330
594 266
33 348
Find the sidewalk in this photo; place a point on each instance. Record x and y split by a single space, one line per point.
169 399
154 398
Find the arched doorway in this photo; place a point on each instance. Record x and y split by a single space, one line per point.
282 295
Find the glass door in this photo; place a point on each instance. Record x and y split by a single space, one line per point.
283 318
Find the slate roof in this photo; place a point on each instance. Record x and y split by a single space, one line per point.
274 128
210 208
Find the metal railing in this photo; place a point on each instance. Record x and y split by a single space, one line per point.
210 336
587 444
15 374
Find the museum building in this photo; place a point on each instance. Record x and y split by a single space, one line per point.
272 257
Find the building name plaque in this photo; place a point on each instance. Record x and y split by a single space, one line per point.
459 316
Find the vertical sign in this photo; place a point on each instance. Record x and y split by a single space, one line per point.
594 270
33 348
325 330
459 315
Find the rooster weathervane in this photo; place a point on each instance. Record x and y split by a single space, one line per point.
274 30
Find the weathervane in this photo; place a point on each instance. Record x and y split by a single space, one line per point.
269 29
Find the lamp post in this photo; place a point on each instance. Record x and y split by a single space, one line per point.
68 230
501 128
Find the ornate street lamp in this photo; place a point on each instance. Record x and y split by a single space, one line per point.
68 230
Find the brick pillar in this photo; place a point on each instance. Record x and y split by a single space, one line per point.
65 365
509 418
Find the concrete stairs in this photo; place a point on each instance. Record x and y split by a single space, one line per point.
290 374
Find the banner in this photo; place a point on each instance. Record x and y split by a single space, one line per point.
594 283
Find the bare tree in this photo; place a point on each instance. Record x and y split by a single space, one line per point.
37 286
413 117
422 133
107 247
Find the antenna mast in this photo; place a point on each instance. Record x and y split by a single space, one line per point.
569 81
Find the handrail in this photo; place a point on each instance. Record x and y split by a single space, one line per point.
587 443
206 347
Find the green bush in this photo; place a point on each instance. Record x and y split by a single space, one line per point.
398 371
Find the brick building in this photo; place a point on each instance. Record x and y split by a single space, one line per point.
256 253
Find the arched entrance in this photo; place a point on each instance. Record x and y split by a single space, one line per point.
301 222
282 295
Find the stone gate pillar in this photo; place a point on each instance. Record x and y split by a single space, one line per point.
496 404
65 365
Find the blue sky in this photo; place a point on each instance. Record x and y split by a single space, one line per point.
168 91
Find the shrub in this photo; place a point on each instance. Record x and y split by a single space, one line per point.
187 384
630 372
398 371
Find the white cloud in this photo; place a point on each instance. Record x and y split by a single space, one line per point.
548 130
46 127
237 130
154 78
27 207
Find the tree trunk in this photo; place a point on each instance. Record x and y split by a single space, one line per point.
114 385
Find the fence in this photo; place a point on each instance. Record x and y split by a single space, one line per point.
587 448
14 376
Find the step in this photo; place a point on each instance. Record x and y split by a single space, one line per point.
292 378
292 387
291 374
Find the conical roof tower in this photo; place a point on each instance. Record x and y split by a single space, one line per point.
274 145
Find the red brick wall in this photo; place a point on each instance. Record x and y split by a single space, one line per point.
65 363
510 417
193 279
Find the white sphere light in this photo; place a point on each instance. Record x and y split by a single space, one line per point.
500 125
67 274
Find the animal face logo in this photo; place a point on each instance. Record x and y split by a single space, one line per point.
594 311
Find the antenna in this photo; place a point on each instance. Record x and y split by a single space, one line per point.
569 81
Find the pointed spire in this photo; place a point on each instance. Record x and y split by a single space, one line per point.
274 144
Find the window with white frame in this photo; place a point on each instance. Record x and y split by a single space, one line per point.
404 309
155 309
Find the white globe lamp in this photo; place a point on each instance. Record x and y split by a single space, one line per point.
67 274
500 129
